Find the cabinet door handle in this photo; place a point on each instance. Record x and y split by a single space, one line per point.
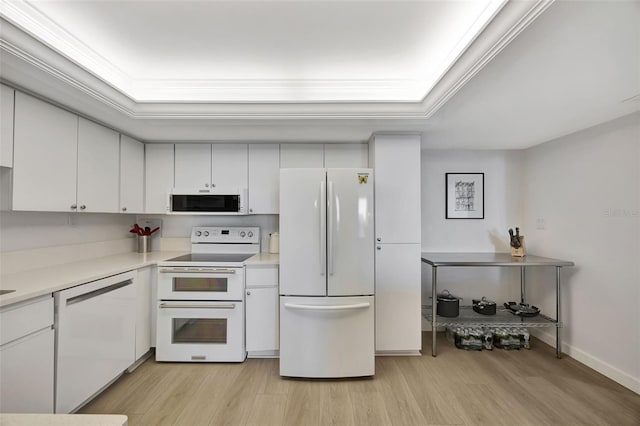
379 248
74 206
124 209
379 239
248 293
206 185
82 207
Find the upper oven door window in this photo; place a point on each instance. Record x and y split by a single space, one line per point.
200 283
208 284
205 203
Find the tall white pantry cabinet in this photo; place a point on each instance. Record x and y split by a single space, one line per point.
396 163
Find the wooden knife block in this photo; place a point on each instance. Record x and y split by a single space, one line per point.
519 252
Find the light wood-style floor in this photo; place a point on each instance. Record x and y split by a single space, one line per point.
455 388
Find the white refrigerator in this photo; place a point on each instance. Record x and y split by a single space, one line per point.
326 273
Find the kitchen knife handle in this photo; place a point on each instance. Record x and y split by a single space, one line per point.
323 227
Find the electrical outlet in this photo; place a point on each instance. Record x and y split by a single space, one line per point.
541 223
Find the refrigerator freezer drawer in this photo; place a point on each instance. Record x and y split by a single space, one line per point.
327 337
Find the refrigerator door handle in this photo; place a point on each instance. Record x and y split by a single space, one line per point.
323 227
330 237
327 307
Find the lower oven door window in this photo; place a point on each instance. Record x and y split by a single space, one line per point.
195 331
199 330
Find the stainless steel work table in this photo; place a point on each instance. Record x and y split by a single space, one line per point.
468 316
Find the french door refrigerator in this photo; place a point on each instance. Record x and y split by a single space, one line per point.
326 273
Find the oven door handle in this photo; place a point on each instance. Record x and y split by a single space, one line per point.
198 271
166 305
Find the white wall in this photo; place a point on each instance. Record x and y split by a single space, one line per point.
585 187
31 230
503 210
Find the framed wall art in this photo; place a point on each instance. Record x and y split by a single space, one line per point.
464 195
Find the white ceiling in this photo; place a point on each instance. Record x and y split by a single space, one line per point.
260 51
538 70
576 66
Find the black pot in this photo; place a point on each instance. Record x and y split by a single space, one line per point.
448 305
484 306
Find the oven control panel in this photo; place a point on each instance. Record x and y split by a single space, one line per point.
218 234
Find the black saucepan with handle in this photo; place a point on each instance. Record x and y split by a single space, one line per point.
448 305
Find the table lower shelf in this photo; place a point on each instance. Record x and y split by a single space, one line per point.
503 318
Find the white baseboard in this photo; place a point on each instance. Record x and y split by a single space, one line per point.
263 354
615 374
398 353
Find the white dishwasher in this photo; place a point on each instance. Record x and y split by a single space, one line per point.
95 337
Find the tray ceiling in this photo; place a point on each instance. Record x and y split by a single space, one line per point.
260 51
351 69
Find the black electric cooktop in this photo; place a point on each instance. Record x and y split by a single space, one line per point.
218 258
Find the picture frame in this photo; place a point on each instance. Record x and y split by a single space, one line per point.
464 195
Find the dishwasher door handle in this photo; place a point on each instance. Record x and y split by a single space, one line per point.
98 292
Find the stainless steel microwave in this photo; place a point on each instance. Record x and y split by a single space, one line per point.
205 202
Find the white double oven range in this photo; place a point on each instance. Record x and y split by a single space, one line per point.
200 316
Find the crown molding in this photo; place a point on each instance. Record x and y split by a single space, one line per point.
512 19
23 47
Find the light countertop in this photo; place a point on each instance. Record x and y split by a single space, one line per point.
263 259
42 281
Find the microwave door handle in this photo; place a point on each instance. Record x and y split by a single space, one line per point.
322 228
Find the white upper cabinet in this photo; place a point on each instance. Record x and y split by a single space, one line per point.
396 163
264 178
158 161
338 155
98 168
131 175
192 166
62 162
211 166
229 166
45 156
302 155
6 126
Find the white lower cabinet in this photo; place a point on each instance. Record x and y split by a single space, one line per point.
27 357
398 298
262 311
143 311
154 305
95 338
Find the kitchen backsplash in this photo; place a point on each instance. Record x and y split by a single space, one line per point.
177 227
